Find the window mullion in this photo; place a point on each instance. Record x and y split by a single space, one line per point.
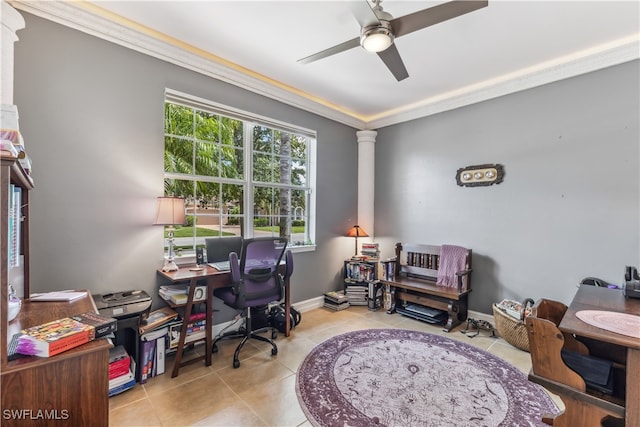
248 178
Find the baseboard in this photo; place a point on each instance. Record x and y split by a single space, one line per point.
481 316
309 304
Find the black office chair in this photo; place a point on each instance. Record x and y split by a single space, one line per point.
256 283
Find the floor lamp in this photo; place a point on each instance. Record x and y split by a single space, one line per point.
357 231
170 212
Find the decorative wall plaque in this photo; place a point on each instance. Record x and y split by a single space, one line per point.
480 175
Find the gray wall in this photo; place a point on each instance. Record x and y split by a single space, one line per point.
92 116
569 204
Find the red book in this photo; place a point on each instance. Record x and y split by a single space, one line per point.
119 361
115 372
52 338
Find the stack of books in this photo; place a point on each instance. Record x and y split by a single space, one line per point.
336 300
60 335
174 293
121 369
371 251
196 330
357 294
177 294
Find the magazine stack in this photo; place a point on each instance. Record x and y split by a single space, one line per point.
336 300
371 251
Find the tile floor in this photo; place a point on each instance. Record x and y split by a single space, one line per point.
261 392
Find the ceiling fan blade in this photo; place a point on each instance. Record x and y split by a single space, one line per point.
331 51
391 58
363 12
433 15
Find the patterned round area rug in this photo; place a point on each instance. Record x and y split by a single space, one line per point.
402 378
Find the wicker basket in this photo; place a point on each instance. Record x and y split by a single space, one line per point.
511 329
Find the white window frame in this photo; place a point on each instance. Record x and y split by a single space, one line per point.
249 121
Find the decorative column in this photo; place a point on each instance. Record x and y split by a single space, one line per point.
366 177
12 21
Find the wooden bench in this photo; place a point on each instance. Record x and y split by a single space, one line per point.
412 279
586 405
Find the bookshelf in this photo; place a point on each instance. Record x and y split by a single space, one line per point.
15 244
359 275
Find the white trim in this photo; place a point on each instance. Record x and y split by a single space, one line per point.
615 53
79 15
309 304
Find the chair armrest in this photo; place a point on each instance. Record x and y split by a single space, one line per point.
464 272
460 275
235 268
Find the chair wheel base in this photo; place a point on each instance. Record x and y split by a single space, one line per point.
214 348
274 351
236 364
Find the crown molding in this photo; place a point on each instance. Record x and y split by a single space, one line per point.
593 59
81 16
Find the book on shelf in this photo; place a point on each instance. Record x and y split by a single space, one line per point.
179 298
156 319
166 291
146 359
54 337
178 294
359 271
119 361
125 381
102 325
160 355
174 334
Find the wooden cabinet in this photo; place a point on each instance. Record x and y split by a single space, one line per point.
69 389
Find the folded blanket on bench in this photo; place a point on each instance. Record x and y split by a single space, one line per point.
452 260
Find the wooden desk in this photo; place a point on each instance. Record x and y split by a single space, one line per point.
71 388
597 298
215 279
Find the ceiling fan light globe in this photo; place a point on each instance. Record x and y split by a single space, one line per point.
376 39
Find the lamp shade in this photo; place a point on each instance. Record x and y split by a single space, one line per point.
170 211
357 231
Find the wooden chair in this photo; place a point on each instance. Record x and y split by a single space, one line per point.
585 406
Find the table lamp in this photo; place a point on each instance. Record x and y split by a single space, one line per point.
170 212
357 231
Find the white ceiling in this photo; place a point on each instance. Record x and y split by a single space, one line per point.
505 47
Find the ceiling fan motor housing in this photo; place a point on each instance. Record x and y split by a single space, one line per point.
377 37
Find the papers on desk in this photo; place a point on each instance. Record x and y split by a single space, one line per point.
221 265
58 296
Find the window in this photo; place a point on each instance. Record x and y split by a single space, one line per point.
240 174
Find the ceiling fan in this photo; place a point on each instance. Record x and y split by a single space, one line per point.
378 29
